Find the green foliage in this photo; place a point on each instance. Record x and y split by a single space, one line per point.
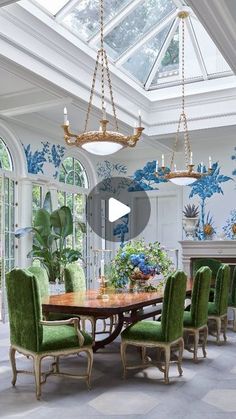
50 231
191 211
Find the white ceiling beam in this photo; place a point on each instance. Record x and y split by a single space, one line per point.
6 2
35 107
145 38
66 10
162 52
196 47
111 24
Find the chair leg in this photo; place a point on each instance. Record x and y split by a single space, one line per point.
179 364
196 342
111 324
218 330
234 321
225 328
123 347
93 328
89 368
57 364
167 364
12 355
37 373
204 343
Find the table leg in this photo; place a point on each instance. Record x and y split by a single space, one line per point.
101 343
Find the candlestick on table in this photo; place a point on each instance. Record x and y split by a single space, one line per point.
191 158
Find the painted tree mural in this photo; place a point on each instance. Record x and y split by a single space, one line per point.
205 188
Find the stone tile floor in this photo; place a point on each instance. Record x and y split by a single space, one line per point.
206 390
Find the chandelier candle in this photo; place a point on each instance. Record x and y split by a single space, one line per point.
65 116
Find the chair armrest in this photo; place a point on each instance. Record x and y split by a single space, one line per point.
73 320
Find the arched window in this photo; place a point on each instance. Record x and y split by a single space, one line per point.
73 173
72 193
5 157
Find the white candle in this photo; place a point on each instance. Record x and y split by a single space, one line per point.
201 166
139 118
102 267
104 115
135 128
67 122
191 158
157 166
65 115
163 160
210 163
175 167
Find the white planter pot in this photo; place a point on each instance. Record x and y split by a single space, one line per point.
56 288
190 227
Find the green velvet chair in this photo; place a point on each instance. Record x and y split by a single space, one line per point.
33 337
213 264
195 320
217 310
232 298
164 335
74 282
41 275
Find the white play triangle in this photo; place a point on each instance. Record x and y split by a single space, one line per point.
116 209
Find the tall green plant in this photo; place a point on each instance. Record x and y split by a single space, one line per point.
50 231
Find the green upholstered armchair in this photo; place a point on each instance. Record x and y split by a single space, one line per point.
232 298
42 277
195 320
75 281
217 310
163 335
39 339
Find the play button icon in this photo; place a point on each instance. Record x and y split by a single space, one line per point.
116 209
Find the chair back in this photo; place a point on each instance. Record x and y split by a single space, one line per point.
74 278
213 264
233 288
173 306
200 297
42 277
25 310
222 289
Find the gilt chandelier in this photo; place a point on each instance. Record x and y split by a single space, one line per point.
101 142
187 175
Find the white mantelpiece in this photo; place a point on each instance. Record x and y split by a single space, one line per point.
217 249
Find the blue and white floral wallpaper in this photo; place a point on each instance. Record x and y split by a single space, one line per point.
38 160
204 189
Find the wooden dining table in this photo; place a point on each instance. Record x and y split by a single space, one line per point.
129 307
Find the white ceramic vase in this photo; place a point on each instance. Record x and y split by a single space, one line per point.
190 227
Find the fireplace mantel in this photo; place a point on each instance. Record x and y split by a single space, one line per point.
217 249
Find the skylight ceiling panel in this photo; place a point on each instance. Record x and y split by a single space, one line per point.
84 19
168 71
140 63
214 61
52 6
136 24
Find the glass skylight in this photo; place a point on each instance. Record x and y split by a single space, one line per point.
143 38
136 25
84 19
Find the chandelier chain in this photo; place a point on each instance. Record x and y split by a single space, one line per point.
101 55
92 92
183 117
